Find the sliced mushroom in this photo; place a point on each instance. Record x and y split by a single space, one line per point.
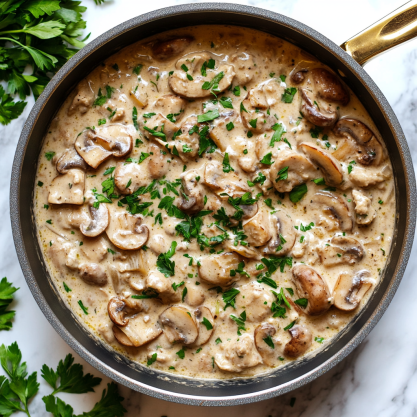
87 147
258 229
365 213
372 150
256 300
336 207
179 325
350 289
222 182
98 222
341 250
165 130
283 235
83 99
126 231
330 166
318 115
137 332
218 131
163 50
140 94
236 356
171 105
301 339
163 286
67 188
268 353
298 169
95 146
157 163
299 76
367 177
329 87
190 84
70 160
119 307
186 144
244 67
205 322
309 284
93 274
192 200
215 269
128 177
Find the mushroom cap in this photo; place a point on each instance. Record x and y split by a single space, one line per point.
337 207
70 160
329 87
235 356
184 87
138 332
136 174
67 188
330 166
350 289
309 284
167 49
93 274
300 170
192 200
301 339
126 231
342 249
204 334
117 315
319 116
215 269
223 182
98 222
170 104
257 229
115 138
373 152
179 325
267 352
282 229
87 147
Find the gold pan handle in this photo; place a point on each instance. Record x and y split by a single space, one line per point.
398 27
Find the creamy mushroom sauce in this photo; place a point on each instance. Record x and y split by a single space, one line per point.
216 205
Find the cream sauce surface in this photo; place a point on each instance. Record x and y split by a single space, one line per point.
214 202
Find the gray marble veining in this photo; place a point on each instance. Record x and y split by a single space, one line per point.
380 377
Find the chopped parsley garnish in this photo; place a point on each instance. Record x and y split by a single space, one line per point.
229 297
164 263
315 132
66 288
214 83
236 91
290 326
242 107
218 340
253 123
240 321
226 164
302 302
137 69
206 323
176 286
298 193
226 102
282 174
49 155
230 126
206 117
184 293
288 95
268 281
319 181
279 130
207 64
83 307
268 340
152 359
267 159
155 133
319 339
135 118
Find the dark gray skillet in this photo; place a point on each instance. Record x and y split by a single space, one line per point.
193 391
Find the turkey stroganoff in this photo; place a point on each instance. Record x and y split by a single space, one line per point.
214 202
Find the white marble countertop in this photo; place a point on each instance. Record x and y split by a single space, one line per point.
380 377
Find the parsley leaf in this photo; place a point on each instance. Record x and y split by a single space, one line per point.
164 263
6 297
288 95
298 193
206 117
71 377
226 164
229 297
268 340
240 321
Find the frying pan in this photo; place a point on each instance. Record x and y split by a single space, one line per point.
398 27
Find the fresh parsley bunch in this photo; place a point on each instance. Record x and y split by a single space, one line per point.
17 389
37 34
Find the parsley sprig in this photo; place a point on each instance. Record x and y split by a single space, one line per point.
6 297
39 34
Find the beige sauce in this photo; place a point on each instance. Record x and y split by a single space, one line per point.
293 232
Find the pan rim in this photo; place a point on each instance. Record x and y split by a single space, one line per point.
282 20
